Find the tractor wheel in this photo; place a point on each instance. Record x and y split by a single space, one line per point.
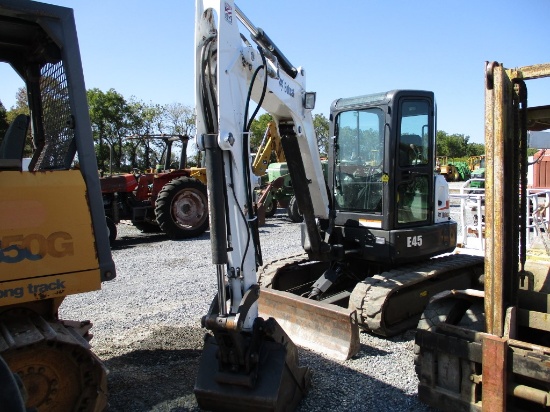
182 208
293 212
111 230
12 392
270 207
454 311
147 227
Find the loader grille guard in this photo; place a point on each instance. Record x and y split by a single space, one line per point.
47 90
55 143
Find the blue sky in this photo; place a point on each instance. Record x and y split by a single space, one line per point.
348 48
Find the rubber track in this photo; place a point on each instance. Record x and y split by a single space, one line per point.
370 296
269 270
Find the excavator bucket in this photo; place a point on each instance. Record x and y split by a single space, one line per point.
276 382
324 328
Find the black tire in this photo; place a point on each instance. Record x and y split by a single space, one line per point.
293 212
182 208
454 311
11 395
111 230
147 227
270 207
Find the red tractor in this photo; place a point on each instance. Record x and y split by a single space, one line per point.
174 202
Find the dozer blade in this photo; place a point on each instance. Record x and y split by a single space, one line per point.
276 384
315 325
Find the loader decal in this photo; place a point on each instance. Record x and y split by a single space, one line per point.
16 254
16 248
33 289
12 293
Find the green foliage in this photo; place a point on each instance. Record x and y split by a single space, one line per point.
123 130
3 121
321 127
257 131
144 120
259 126
110 116
476 149
455 145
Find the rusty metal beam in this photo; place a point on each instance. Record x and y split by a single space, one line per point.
494 373
534 320
535 71
495 133
489 197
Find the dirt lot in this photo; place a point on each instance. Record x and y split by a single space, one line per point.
147 331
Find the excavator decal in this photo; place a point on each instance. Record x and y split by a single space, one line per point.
228 13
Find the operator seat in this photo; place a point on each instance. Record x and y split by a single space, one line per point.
409 144
11 148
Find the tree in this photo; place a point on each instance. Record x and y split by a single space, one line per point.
180 119
109 114
321 127
455 145
257 130
3 120
476 149
123 127
21 107
144 119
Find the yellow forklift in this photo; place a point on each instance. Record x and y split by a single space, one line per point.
490 350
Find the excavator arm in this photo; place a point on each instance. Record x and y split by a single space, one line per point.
247 355
230 73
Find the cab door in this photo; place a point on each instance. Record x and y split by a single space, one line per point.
413 161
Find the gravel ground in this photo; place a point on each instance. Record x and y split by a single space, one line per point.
147 331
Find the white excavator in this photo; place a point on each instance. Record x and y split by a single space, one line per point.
249 362
372 227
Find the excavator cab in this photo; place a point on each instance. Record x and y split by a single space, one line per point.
382 182
389 214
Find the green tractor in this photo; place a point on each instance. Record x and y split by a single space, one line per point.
477 168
